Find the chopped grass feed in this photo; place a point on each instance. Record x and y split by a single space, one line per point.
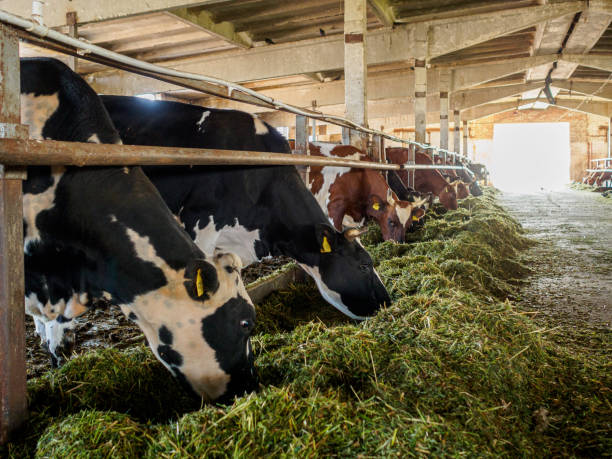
451 368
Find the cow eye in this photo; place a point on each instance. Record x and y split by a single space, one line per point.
364 268
245 324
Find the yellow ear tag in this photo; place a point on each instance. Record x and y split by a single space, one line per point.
199 283
415 218
376 206
325 248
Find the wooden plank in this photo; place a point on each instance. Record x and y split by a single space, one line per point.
13 401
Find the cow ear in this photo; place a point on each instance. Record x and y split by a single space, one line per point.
418 213
375 204
353 233
326 238
201 280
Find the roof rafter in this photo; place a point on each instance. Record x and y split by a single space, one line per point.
204 20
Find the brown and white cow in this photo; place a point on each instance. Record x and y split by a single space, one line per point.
461 187
350 196
425 181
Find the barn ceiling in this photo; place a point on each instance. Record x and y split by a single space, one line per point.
220 35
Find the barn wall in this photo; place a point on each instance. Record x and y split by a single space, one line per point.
588 134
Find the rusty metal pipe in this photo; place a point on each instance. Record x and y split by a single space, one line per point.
53 153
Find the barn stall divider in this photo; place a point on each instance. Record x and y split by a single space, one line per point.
16 152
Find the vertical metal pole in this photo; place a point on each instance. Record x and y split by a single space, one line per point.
73 31
355 68
301 144
313 128
457 137
609 150
465 138
13 402
411 160
346 136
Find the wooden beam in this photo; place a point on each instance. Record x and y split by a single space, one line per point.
13 399
327 53
383 11
54 12
448 35
204 20
601 90
586 33
595 61
474 97
465 77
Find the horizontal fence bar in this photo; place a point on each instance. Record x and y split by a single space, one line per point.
41 35
599 170
54 153
601 159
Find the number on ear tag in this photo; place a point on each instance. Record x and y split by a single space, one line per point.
325 247
199 283
376 206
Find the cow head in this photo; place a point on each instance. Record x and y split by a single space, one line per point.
448 197
385 213
199 325
344 271
410 212
475 189
462 190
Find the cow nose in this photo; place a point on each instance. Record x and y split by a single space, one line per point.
242 382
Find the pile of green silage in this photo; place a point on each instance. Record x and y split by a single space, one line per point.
451 368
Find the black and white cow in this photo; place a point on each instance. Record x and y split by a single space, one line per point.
256 212
96 232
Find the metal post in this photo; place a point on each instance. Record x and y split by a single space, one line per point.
465 138
457 137
73 31
411 160
301 143
13 402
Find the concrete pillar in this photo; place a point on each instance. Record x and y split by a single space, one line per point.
465 137
457 136
420 83
444 88
355 68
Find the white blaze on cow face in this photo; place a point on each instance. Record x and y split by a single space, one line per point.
236 239
36 110
260 127
171 309
330 296
201 121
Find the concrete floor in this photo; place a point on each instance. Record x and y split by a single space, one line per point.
572 279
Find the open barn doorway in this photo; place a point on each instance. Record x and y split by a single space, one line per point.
529 157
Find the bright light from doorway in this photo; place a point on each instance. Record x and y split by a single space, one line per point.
530 157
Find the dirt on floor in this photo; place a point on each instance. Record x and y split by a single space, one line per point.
571 285
106 325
